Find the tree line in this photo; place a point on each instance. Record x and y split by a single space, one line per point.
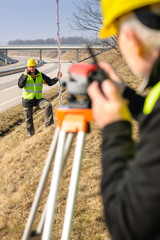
64 40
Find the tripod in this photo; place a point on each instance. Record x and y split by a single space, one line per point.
70 122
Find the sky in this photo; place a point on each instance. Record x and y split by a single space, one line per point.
35 19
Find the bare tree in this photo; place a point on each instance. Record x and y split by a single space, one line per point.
87 16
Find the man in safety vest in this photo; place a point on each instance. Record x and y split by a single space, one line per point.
32 83
131 172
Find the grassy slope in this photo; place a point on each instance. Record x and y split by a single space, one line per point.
22 162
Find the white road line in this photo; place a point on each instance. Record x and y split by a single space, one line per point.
10 101
3 82
8 80
4 90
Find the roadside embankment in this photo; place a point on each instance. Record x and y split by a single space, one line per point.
22 162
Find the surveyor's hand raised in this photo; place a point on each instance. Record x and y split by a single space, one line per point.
26 71
59 75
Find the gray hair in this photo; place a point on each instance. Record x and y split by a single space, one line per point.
150 37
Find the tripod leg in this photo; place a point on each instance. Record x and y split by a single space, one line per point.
68 143
41 185
41 223
67 146
52 198
73 187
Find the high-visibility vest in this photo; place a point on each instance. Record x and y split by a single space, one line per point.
33 89
151 99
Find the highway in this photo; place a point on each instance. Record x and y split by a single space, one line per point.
11 94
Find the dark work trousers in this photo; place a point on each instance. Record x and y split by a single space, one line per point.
28 114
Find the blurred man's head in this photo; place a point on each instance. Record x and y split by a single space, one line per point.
137 26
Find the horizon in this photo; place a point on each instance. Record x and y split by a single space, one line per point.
30 42
21 22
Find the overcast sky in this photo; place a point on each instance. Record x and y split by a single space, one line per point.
34 19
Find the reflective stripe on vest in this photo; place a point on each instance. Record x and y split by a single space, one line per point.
151 99
33 89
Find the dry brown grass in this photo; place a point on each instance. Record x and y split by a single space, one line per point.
22 161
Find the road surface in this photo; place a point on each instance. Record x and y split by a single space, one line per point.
11 94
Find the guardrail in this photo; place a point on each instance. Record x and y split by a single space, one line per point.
53 47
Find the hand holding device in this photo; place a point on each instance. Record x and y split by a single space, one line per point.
26 71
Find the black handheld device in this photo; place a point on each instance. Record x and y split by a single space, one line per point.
100 75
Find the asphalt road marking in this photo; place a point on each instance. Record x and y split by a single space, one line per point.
10 100
4 90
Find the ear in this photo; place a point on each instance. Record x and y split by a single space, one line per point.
134 42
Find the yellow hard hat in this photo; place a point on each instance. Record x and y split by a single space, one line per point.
113 9
31 62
